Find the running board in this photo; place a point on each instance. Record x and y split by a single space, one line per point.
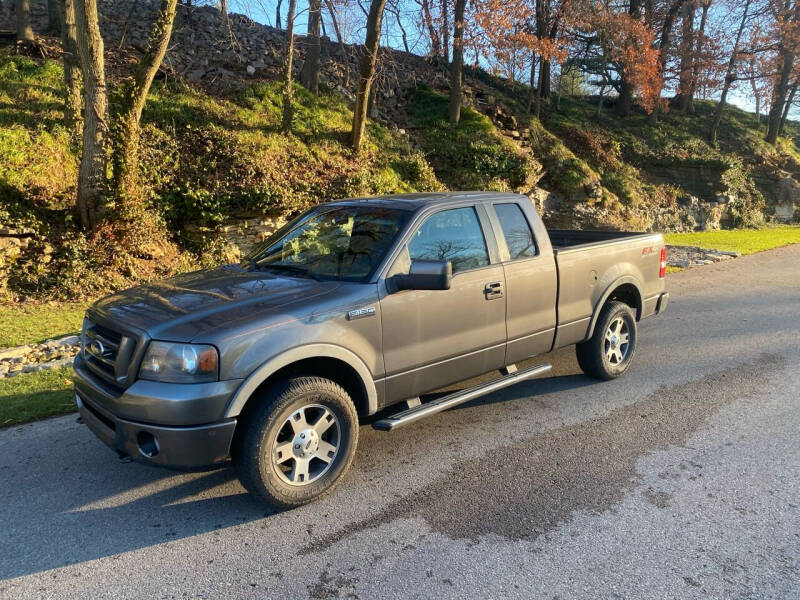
436 406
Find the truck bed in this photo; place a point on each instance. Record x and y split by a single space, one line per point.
589 263
568 239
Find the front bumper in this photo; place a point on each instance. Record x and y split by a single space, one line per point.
167 424
176 447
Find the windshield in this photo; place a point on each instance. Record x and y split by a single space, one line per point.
332 242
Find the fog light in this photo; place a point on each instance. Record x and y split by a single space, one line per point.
148 445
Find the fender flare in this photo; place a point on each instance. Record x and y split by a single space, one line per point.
262 373
625 279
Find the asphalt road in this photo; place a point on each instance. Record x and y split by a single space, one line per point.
680 480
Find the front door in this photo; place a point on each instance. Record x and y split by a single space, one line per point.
432 338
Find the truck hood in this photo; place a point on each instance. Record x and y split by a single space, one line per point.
182 307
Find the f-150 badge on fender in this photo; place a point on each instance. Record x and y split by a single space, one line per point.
360 313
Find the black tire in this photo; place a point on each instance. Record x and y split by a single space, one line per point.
593 354
270 420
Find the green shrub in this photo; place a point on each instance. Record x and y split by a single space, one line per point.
415 170
564 171
471 154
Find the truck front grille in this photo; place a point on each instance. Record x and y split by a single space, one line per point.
107 353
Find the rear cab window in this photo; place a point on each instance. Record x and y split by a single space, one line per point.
516 230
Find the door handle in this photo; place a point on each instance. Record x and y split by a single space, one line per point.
493 290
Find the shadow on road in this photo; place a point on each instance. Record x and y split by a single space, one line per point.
70 500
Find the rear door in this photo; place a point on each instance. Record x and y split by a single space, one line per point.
531 280
432 338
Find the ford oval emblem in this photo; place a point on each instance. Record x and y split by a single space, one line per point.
96 348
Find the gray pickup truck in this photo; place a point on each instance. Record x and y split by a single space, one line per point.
353 307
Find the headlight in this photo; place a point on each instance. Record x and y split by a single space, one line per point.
180 363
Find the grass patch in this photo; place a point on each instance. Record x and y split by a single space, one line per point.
565 171
34 396
471 155
31 324
743 241
207 157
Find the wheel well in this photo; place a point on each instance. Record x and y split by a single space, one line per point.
330 368
629 294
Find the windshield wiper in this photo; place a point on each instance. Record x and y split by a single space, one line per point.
289 269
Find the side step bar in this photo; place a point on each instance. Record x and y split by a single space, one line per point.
436 406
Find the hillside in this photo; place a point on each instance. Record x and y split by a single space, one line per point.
209 161
221 175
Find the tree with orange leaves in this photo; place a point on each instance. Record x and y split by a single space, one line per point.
520 31
620 48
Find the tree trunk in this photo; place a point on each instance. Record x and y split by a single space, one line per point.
712 132
436 47
754 87
342 49
458 62
54 16
531 84
309 76
126 143
445 8
625 100
697 60
599 110
92 173
24 29
367 71
758 111
663 53
684 97
334 20
288 58
371 102
539 96
544 78
72 73
786 63
729 76
788 106
278 14
403 32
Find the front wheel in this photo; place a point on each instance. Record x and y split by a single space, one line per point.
609 352
298 443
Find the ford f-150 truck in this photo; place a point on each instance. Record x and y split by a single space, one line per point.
354 306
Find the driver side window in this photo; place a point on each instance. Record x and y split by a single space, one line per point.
455 235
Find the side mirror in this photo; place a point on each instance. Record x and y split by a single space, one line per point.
425 275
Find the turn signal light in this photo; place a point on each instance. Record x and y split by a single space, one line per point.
662 270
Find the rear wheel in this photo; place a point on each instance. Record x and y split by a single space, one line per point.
609 352
298 443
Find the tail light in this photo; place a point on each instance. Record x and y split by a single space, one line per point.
662 270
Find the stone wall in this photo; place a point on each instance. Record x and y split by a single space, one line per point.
12 243
704 181
240 236
782 192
